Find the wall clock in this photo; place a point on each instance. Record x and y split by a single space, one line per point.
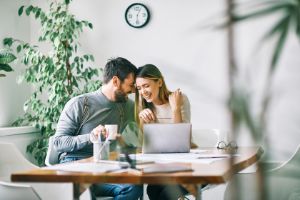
137 15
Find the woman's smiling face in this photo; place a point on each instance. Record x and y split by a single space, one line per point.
149 89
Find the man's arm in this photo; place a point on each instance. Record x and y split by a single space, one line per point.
66 137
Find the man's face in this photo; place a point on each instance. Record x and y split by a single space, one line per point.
125 88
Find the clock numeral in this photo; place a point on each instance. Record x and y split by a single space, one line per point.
129 15
137 8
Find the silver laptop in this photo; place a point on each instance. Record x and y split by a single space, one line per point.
167 138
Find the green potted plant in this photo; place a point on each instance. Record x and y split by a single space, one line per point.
288 23
239 103
56 76
6 57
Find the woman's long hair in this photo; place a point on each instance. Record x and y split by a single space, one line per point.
151 72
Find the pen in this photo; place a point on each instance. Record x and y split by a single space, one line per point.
99 138
208 157
103 145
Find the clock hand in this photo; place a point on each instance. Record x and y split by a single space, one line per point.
137 17
138 13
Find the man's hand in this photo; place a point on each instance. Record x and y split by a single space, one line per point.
97 132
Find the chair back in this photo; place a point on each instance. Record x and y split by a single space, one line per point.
14 191
208 137
52 156
11 160
282 182
291 166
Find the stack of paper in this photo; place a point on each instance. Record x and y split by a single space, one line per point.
173 157
86 167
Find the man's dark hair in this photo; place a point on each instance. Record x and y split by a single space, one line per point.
119 67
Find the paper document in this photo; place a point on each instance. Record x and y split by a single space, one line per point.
174 157
198 151
86 167
216 155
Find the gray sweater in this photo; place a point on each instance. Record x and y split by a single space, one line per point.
100 111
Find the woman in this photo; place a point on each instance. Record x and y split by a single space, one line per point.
156 104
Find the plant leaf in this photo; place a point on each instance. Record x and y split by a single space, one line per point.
279 45
6 57
37 14
20 11
67 1
19 48
8 41
265 11
278 27
28 10
5 67
296 17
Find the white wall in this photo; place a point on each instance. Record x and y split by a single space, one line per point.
194 59
12 95
190 59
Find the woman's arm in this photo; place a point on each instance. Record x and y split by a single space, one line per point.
175 101
185 109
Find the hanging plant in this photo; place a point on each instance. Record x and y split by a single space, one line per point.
56 76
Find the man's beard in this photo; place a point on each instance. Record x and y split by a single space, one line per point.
120 96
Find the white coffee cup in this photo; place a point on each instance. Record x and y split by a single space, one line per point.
112 131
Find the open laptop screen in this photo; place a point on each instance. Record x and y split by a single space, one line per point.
167 138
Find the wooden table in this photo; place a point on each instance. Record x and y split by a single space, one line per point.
217 172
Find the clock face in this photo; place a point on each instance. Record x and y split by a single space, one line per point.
137 15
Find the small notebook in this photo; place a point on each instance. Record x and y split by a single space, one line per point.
166 168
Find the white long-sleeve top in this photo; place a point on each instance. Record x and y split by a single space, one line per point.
164 113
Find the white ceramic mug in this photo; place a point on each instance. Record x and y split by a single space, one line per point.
112 130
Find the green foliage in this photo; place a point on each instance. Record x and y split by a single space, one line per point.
288 13
6 57
239 105
289 21
57 76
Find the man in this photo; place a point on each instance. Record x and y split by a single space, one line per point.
79 124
